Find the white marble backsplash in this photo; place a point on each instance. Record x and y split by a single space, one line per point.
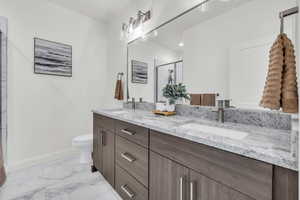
261 118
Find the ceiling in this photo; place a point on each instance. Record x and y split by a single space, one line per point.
102 10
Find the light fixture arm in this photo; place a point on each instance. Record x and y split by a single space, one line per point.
141 18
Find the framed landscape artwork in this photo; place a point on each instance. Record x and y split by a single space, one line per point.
52 58
139 72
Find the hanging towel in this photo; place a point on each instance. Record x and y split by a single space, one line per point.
195 99
289 82
119 91
208 99
281 85
2 170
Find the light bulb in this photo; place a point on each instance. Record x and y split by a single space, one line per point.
122 35
204 7
130 28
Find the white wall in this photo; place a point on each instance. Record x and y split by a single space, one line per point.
229 54
146 51
46 112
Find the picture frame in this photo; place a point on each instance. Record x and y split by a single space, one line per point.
52 58
139 72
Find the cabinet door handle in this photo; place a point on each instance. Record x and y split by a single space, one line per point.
129 193
192 193
181 188
103 138
131 133
128 157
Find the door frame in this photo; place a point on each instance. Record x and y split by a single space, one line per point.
156 75
3 87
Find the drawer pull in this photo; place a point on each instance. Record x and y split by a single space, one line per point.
129 193
192 186
128 157
128 132
181 188
103 138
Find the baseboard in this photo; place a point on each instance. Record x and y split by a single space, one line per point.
39 160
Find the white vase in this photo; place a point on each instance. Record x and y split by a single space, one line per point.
170 107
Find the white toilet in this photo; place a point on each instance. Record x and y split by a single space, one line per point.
84 144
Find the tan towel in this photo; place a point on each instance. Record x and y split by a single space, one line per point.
281 88
208 99
119 94
289 95
195 99
2 170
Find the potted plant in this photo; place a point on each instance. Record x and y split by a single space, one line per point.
174 92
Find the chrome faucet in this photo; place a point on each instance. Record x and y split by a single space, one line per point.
133 103
221 117
221 111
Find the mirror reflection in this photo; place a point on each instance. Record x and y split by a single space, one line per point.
219 50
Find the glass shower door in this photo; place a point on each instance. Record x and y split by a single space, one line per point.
163 74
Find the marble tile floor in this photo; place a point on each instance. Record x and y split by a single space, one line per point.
61 179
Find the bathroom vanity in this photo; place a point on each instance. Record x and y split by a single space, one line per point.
144 156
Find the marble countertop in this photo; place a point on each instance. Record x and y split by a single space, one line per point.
278 147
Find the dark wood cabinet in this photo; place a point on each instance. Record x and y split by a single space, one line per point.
132 158
172 181
97 148
285 184
108 157
128 187
248 176
168 180
140 164
104 151
203 188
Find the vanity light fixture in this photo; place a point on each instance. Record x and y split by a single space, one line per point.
135 24
181 44
204 7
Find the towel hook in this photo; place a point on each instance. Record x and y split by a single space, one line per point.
281 23
286 13
120 75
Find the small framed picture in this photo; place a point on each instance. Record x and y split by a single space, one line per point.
52 58
139 72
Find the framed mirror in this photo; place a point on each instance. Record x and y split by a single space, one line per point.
218 50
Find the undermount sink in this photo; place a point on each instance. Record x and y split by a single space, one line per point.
233 134
120 112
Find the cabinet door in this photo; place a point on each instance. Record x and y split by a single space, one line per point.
97 147
108 157
203 188
168 180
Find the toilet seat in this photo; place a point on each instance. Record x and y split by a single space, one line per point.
83 140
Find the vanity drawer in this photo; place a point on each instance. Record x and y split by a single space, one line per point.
133 158
128 188
104 122
133 133
248 176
